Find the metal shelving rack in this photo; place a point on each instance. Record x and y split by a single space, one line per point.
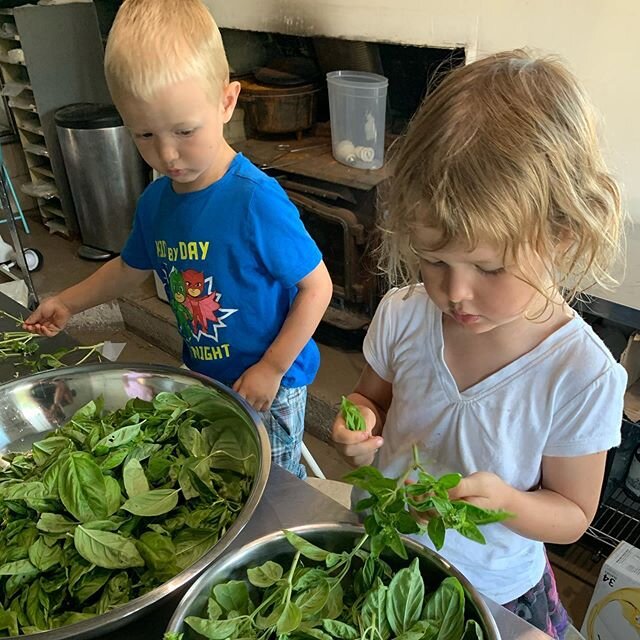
50 56
618 518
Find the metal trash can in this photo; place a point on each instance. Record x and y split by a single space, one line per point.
106 175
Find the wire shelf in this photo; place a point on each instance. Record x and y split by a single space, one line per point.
617 519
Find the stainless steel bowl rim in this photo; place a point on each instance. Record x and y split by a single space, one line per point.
234 558
120 615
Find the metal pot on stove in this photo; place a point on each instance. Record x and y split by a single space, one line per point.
281 97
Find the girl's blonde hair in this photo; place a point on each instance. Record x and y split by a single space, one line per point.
155 43
505 152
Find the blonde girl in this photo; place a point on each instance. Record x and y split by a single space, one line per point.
500 209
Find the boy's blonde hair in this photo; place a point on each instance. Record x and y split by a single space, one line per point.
505 152
154 43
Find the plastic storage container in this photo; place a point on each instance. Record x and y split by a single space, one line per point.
106 175
357 105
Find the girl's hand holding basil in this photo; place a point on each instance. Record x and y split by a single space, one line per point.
358 447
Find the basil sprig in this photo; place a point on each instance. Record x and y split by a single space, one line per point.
392 501
353 418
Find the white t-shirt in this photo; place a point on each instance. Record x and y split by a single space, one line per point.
563 398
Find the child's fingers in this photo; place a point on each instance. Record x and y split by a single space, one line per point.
47 331
362 452
341 435
34 318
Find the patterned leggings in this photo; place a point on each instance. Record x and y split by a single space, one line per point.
541 606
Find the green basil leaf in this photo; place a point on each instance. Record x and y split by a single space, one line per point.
106 549
213 630
191 441
232 596
48 448
307 549
44 557
445 609
480 516
119 437
192 544
312 632
199 467
436 532
421 630
471 531
105 525
152 503
167 401
449 481
55 523
158 551
340 630
472 631
363 476
353 418
24 491
113 496
394 542
335 603
406 524
117 591
81 487
374 607
290 619
114 459
214 611
405 598
9 623
265 575
313 600
335 558
135 482
17 567
37 605
443 507
365 503
308 578
89 584
70 617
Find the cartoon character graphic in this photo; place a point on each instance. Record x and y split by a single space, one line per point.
202 307
178 289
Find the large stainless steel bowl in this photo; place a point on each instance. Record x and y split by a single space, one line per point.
333 537
33 406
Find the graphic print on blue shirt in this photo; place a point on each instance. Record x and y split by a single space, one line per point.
196 304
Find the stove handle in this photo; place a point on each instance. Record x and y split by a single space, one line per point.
346 218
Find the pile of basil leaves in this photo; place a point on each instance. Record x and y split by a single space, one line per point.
113 504
325 595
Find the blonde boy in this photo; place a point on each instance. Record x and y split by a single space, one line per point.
246 282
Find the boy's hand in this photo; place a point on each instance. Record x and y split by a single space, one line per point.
258 385
49 319
358 448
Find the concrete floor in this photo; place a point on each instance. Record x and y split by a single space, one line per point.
576 571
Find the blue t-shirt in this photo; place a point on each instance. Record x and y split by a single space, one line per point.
230 257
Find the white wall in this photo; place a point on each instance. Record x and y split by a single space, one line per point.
600 41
